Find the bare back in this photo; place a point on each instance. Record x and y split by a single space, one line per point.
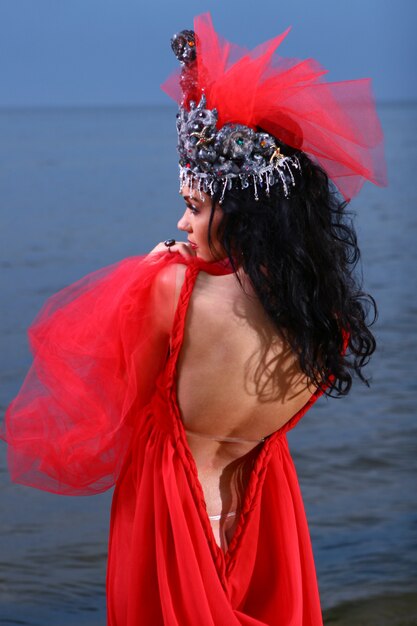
227 383
228 386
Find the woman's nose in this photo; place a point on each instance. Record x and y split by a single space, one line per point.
183 223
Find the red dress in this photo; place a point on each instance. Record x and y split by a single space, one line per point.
85 419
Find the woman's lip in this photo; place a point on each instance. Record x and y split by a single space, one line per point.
192 244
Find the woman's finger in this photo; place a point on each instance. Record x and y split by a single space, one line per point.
182 247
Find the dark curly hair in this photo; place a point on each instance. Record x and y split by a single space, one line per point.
300 254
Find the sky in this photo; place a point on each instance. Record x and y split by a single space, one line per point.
111 52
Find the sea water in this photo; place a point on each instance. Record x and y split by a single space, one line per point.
82 188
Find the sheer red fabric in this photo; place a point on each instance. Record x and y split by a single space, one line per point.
334 122
99 407
70 425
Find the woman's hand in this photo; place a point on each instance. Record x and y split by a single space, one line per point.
183 247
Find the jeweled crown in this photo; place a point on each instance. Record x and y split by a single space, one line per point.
211 159
261 108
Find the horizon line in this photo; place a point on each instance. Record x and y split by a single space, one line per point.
134 105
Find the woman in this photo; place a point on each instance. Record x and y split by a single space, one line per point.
176 376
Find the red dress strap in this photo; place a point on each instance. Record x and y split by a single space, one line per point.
223 561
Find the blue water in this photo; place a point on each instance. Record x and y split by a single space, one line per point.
82 188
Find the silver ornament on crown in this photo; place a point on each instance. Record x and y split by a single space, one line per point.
212 159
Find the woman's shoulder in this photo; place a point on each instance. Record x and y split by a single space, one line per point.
173 269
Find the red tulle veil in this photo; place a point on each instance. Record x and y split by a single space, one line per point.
98 346
336 123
